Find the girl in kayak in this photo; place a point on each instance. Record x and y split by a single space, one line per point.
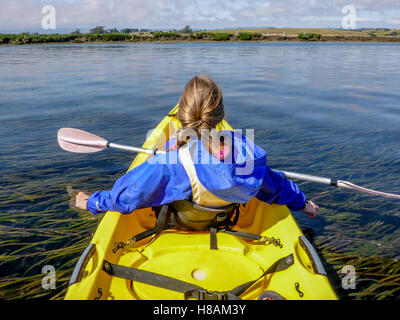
210 169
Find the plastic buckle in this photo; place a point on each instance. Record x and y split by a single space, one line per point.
212 295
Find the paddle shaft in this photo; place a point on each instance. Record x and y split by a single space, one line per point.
307 177
339 184
132 149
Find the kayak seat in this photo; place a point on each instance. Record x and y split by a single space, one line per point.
188 216
146 217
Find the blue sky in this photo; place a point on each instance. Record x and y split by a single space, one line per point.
200 14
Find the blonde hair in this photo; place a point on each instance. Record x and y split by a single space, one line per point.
200 107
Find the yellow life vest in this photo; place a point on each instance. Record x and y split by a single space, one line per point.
200 195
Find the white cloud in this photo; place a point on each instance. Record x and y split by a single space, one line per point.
361 19
370 5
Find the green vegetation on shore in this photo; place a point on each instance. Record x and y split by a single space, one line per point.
99 34
309 36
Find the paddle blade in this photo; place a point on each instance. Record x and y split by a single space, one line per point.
349 185
79 141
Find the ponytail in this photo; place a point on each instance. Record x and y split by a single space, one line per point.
200 107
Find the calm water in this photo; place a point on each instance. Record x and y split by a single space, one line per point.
330 109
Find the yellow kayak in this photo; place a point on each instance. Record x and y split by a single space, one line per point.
183 259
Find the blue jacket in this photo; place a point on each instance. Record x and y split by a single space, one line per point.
162 179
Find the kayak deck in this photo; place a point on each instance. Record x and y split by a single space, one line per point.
186 255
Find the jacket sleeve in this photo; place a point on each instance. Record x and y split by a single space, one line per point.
275 188
150 184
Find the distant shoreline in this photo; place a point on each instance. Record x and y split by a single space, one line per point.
238 35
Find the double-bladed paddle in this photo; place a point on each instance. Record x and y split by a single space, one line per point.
79 141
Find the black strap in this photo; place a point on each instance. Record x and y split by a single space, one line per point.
279 265
213 238
148 277
188 289
227 222
237 213
251 236
161 223
163 220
